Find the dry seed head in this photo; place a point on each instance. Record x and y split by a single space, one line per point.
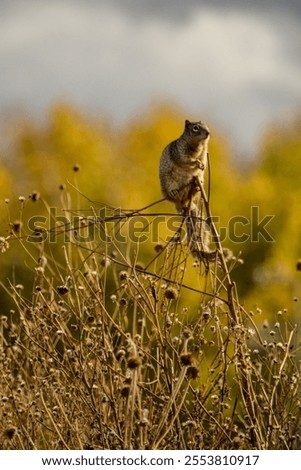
159 247
17 226
34 196
186 359
214 399
206 314
125 391
171 293
9 433
192 372
4 245
62 290
105 261
186 333
134 362
123 275
228 254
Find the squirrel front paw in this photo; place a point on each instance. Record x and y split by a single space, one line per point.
200 165
173 195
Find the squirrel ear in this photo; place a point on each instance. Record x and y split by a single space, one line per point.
187 123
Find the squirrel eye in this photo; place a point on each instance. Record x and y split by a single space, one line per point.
195 128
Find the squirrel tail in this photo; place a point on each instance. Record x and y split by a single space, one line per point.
198 237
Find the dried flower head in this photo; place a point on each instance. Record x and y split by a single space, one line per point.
125 391
105 261
17 226
9 433
206 314
171 293
4 245
34 196
159 247
123 275
186 359
228 254
192 372
38 235
62 290
134 362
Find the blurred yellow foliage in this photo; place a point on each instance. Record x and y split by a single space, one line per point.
120 167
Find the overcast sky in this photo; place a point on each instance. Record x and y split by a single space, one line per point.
235 64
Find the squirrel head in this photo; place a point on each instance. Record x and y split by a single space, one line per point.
196 131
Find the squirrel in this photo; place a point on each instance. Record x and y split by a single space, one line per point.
182 168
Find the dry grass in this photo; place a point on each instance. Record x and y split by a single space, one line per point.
106 353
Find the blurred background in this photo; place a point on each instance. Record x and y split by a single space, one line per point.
106 84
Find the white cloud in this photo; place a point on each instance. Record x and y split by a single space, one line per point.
237 68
